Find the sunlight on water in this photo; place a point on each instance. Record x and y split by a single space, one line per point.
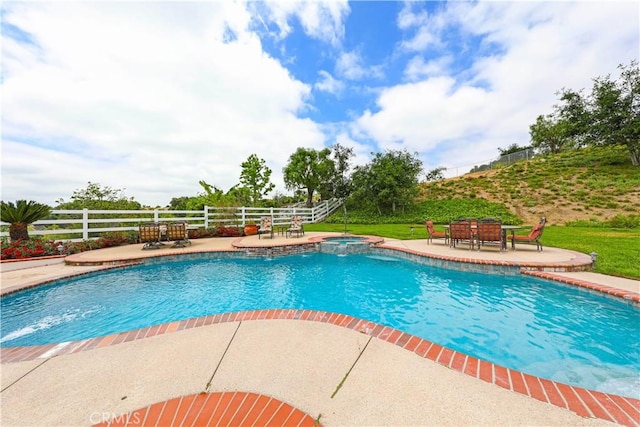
542 328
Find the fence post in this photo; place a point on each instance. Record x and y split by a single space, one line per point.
85 224
206 217
156 217
242 215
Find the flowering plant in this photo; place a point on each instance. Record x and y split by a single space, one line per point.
38 247
223 231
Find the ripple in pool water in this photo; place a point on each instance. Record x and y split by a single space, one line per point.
542 328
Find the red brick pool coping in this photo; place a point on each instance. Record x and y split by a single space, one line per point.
581 262
222 408
584 402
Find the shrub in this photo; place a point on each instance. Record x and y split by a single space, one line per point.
38 247
28 248
224 231
618 221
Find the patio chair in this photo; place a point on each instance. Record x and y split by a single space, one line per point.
296 227
266 227
178 234
489 231
473 222
149 234
433 234
460 232
533 237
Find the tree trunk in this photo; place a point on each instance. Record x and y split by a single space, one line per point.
309 198
18 231
635 156
344 208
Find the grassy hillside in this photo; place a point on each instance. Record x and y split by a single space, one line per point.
596 189
595 183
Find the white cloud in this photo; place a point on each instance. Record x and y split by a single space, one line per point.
143 96
417 68
321 20
351 66
428 27
155 96
532 50
327 83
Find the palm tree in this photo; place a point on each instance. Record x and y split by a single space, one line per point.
21 215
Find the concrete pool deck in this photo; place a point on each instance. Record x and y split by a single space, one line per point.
336 369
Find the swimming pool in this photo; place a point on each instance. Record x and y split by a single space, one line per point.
542 328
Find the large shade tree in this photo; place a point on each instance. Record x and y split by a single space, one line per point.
308 170
549 134
607 115
20 215
389 181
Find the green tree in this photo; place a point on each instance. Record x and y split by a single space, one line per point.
20 215
436 174
513 148
341 182
179 203
389 181
241 196
615 110
212 196
255 176
308 169
99 197
608 115
549 135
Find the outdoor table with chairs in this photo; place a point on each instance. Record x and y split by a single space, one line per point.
485 231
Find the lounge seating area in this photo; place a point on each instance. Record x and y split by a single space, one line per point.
296 227
153 235
266 227
178 234
149 234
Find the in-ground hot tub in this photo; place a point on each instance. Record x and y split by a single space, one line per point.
343 245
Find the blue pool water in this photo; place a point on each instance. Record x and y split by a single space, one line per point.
343 240
542 328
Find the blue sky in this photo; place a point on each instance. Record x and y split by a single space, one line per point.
152 97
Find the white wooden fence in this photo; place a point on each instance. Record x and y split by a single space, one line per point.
85 224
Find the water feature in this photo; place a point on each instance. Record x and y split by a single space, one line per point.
344 245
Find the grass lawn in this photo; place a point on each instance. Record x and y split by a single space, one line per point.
618 249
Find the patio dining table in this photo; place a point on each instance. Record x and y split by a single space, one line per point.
504 228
